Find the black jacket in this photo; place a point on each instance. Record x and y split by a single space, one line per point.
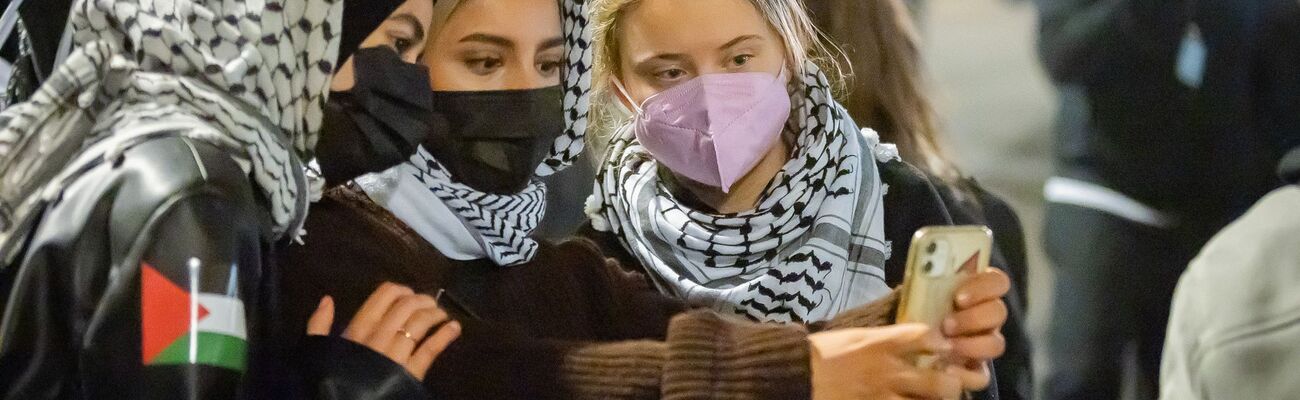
1127 122
91 308
977 206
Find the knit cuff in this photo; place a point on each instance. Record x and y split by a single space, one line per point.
877 313
622 370
712 357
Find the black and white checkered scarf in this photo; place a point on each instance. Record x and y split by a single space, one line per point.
497 226
249 76
814 245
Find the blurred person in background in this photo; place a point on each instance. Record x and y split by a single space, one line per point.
1234 328
1161 139
887 93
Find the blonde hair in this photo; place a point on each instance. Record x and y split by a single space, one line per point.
803 42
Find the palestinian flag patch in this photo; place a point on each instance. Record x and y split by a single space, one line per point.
181 327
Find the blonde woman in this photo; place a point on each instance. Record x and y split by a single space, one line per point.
738 182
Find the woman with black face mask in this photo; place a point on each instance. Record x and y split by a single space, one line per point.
146 187
539 319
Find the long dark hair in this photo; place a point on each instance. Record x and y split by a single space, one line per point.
886 89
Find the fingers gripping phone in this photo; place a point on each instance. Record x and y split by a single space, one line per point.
939 259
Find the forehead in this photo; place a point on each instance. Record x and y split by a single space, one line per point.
516 19
420 9
685 25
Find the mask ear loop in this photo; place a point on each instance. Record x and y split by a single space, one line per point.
627 98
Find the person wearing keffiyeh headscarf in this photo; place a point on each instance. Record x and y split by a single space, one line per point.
738 182
542 320
149 181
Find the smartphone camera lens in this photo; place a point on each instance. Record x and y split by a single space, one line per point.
931 248
928 267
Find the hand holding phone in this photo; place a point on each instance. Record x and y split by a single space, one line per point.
939 260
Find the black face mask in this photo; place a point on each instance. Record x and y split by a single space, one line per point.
379 122
493 141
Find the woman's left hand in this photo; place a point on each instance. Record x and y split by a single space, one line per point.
975 326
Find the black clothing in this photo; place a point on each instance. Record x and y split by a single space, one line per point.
112 222
976 206
1200 154
1128 123
1289 168
566 198
1113 280
43 22
73 326
1278 106
95 299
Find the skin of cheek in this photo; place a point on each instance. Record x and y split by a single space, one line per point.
345 78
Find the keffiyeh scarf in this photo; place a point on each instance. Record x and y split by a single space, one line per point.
813 246
246 75
464 223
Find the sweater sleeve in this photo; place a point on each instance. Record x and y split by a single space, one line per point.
705 356
877 313
651 346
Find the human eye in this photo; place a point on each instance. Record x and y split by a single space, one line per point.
670 74
741 60
483 64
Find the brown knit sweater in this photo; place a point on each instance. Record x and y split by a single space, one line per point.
569 324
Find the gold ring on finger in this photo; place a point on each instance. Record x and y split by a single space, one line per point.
406 335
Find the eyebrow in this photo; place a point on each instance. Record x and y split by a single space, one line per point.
680 56
738 40
549 43
490 39
663 56
411 20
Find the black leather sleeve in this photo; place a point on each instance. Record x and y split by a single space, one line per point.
197 294
337 369
139 282
171 322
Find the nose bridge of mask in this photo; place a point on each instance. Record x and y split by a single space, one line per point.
494 115
493 140
728 97
751 129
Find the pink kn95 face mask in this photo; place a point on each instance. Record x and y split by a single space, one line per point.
715 128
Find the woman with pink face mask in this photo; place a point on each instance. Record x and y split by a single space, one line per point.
736 180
